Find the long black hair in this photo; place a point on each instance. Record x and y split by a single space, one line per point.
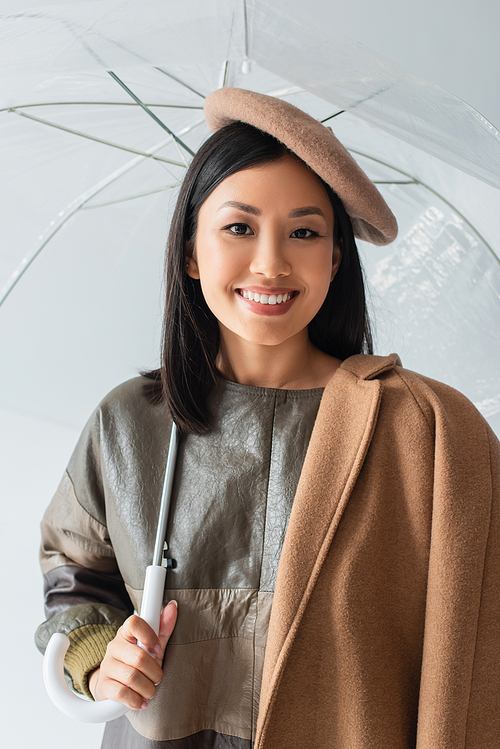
191 335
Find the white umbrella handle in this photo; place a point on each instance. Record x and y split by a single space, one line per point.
79 707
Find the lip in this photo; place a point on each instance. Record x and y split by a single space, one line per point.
267 289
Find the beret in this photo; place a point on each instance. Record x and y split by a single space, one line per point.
371 218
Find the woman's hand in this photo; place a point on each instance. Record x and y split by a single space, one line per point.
128 674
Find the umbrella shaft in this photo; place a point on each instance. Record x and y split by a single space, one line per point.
166 496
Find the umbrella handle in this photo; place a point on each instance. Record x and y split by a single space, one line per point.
79 707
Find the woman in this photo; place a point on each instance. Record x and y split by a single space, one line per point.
334 532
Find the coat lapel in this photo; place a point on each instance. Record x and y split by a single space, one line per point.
339 442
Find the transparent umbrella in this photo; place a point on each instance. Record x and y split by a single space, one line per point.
96 137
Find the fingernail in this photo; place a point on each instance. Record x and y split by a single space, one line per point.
174 602
157 649
144 705
157 683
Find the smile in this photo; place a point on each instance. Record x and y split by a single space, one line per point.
267 298
269 305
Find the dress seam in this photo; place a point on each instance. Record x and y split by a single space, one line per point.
274 392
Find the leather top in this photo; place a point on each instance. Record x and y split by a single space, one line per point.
234 488
232 496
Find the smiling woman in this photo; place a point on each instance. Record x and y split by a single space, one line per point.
239 225
333 542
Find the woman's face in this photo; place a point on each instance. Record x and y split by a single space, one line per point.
266 230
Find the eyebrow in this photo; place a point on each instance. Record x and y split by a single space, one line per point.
296 213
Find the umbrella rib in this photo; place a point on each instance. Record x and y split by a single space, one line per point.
225 73
245 22
178 80
92 103
149 112
130 197
330 117
77 205
415 181
96 139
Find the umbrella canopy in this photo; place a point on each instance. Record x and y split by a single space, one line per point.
96 138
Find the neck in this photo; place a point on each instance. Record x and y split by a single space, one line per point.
294 364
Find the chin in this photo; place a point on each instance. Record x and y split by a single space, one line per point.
265 340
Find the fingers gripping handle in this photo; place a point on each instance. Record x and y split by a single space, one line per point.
79 708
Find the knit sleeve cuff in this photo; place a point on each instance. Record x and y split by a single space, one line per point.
86 652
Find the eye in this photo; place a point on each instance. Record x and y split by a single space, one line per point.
239 229
312 233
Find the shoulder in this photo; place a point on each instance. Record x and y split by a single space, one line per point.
127 395
126 408
415 409
436 400
124 429
390 371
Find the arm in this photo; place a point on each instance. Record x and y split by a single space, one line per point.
85 597
460 676
85 594
87 600
483 718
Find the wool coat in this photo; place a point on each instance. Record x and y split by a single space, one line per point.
384 631
385 626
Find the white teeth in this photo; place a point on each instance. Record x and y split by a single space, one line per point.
265 298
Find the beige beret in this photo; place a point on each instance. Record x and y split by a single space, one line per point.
371 218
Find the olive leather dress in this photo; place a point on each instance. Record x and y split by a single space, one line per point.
232 497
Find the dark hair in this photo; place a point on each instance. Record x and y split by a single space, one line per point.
191 336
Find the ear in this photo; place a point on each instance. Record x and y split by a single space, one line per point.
336 260
191 265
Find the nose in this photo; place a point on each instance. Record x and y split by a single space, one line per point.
269 257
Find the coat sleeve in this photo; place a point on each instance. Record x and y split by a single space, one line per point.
85 596
483 716
459 704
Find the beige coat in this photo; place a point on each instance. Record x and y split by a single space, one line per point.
385 626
